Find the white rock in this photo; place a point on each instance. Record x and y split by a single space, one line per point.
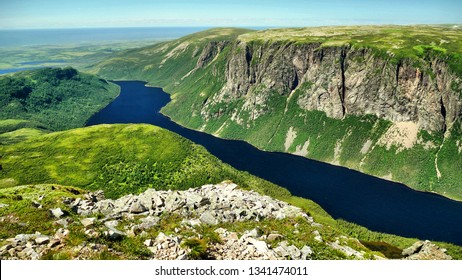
162 237
88 221
261 246
306 252
208 218
42 239
57 212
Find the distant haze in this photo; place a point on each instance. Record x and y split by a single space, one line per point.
33 14
88 36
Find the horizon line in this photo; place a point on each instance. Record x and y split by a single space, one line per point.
225 26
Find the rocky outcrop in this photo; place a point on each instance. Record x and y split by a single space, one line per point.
211 210
33 246
425 250
343 80
210 204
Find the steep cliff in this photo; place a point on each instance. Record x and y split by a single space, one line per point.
383 100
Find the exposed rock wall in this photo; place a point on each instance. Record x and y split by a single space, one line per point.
343 80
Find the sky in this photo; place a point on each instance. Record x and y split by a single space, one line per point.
42 14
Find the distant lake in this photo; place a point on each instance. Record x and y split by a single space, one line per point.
369 201
12 70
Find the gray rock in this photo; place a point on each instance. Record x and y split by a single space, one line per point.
208 218
137 207
148 222
25 237
88 222
31 253
111 224
157 201
281 251
182 257
62 233
261 246
146 200
42 239
57 212
148 242
194 222
174 201
256 232
95 196
274 237
294 252
63 222
162 237
317 236
306 251
413 249
428 251
92 233
115 234
345 249
54 242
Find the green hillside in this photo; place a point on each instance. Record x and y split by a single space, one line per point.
53 98
119 159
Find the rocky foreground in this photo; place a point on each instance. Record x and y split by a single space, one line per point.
202 228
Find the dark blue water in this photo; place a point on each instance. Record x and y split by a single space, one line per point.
369 201
13 70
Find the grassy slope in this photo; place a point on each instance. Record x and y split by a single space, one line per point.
417 43
123 159
54 98
118 159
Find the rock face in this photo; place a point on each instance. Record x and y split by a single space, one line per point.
339 81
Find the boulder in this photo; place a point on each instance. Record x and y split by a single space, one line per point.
261 246
53 243
274 237
426 251
281 250
294 252
162 237
208 218
61 233
43 239
148 222
57 212
413 249
306 251
137 207
88 222
113 233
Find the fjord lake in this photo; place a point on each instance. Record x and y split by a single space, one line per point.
375 203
